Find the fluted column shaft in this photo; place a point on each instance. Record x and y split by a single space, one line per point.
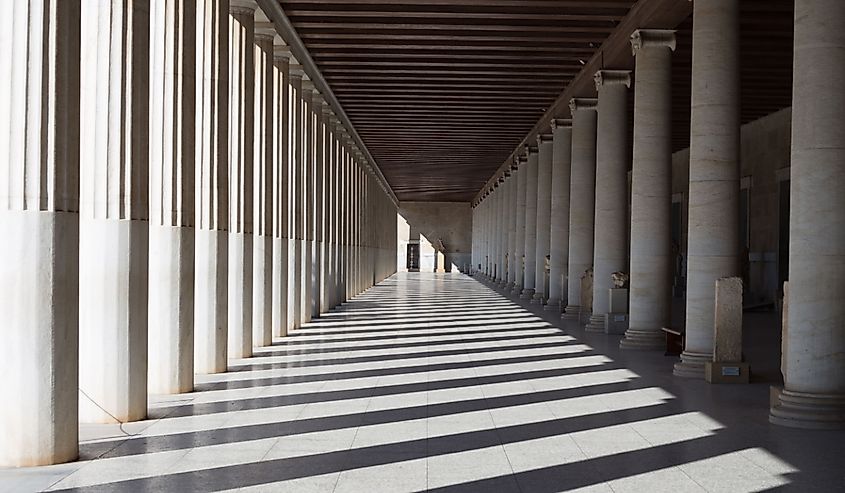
39 220
307 200
114 211
510 217
814 338
296 200
281 194
172 214
582 199
211 267
241 175
713 239
544 214
651 191
264 132
610 245
521 183
559 217
529 275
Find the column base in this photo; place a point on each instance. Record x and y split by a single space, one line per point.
527 294
552 306
516 290
571 312
808 410
538 299
638 339
692 365
509 287
596 324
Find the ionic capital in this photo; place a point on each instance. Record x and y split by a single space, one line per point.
296 70
281 52
612 77
561 123
578 104
242 7
307 85
544 139
265 31
652 38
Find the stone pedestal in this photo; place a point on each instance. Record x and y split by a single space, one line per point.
616 320
727 365
814 340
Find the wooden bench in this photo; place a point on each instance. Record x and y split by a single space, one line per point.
674 341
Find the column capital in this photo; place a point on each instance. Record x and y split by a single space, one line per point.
265 31
544 139
578 104
561 123
296 70
612 77
652 38
307 85
521 160
531 150
246 7
281 51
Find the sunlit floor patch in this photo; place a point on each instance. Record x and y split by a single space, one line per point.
433 382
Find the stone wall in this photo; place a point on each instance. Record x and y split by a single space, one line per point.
449 222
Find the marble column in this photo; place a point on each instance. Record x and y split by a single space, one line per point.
114 211
307 201
241 175
325 177
510 217
263 133
544 215
296 201
39 220
813 366
713 239
582 200
281 182
172 167
530 225
498 192
610 246
651 191
559 217
319 161
503 240
521 183
211 255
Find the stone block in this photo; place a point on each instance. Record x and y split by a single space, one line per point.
727 339
618 300
720 372
615 323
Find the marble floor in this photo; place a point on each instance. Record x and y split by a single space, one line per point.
436 382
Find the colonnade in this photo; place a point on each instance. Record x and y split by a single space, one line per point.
174 191
591 214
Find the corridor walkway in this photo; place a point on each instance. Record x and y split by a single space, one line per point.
435 382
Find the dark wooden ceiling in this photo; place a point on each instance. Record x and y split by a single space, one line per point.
443 91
